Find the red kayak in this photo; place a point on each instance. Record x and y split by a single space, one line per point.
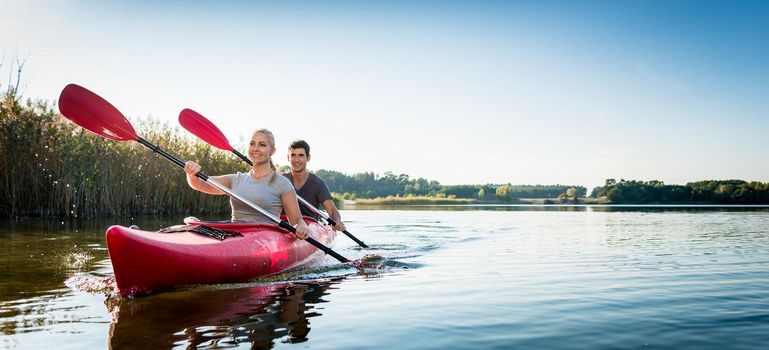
147 262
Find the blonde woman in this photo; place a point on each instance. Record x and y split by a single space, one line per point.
262 186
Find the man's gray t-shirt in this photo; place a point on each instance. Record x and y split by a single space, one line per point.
260 192
314 191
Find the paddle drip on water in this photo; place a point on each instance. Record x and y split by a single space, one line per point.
92 284
368 265
370 261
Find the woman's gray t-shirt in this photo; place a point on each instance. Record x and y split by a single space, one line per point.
260 192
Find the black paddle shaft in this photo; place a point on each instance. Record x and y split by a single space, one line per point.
245 159
168 156
333 223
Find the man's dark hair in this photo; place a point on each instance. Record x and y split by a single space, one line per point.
300 144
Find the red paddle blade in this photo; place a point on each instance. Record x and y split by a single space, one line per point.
94 113
201 127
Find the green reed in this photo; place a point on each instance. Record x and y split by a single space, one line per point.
52 167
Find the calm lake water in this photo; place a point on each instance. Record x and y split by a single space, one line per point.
450 278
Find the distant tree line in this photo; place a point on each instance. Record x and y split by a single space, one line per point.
371 185
701 192
508 192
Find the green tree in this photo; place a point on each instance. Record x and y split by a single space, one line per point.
503 193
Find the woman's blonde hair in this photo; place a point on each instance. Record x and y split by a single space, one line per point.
271 138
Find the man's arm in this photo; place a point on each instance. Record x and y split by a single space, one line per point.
334 214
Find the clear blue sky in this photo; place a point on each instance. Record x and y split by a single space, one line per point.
463 92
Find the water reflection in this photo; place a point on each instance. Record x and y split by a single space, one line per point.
253 316
38 255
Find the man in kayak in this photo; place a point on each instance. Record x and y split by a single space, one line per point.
309 186
261 185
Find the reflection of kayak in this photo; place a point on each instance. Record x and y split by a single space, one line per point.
146 262
213 317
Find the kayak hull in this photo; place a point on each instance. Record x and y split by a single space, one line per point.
148 262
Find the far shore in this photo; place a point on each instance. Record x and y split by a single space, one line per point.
422 201
585 200
466 201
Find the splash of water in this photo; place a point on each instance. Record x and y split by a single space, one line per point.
75 260
370 261
92 284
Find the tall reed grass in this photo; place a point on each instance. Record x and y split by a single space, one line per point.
52 167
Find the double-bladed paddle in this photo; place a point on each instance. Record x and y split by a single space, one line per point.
94 113
203 128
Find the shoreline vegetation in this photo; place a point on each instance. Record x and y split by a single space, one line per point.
397 200
50 167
